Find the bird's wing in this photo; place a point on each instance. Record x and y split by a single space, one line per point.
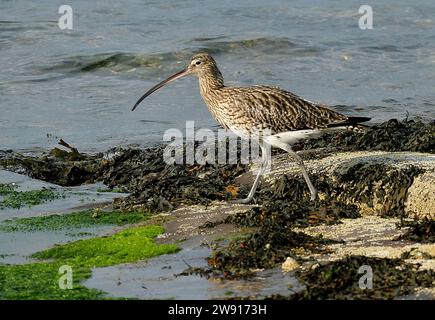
280 110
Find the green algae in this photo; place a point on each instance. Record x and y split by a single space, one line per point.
82 219
129 245
6 188
41 280
114 190
17 199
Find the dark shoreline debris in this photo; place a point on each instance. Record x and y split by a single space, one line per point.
340 279
392 135
157 186
263 249
273 240
419 230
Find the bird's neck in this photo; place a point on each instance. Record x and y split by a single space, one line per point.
210 84
210 80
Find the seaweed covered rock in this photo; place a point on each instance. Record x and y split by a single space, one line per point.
262 249
341 279
58 166
377 187
392 135
418 230
376 182
154 184
158 186
273 239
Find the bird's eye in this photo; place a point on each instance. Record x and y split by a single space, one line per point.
198 62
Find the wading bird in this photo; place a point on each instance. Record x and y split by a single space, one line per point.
249 110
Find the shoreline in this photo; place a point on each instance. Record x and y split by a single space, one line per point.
371 187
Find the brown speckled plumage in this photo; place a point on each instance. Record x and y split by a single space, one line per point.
258 107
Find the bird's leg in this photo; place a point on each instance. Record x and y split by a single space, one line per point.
301 165
264 163
313 190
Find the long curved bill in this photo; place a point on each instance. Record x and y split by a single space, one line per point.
161 84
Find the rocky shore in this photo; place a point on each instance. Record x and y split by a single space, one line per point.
376 208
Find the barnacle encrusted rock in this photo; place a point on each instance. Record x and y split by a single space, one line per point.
421 195
289 265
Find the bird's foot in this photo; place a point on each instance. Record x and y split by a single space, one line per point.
313 196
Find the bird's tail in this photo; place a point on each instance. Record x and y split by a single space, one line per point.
357 120
351 123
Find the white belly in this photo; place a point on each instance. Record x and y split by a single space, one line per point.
291 137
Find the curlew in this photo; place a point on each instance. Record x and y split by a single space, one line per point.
247 111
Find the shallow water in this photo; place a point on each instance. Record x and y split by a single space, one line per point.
16 247
75 198
80 85
158 278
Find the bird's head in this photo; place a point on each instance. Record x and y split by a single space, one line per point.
201 64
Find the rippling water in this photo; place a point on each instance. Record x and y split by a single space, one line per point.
80 85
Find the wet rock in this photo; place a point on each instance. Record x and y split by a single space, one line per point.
190 221
419 294
421 254
375 186
58 166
